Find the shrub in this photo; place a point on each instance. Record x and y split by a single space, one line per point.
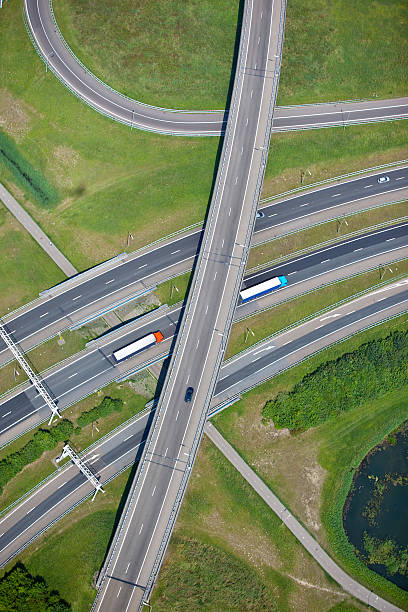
335 386
104 409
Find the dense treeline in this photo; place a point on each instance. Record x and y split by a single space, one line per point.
105 408
26 176
43 440
22 592
366 373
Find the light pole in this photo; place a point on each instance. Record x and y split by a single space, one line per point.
133 116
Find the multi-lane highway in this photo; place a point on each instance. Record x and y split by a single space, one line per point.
95 369
60 59
55 313
67 488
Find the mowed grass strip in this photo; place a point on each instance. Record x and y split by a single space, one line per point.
315 155
25 269
311 471
338 229
162 52
271 321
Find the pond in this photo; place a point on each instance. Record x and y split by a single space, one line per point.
375 515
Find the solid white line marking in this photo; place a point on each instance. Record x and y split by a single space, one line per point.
400 178
389 239
360 249
229 211
43 315
252 93
127 568
206 309
215 275
61 485
4 415
325 260
174 252
198 342
31 510
76 298
112 280
120 588
140 530
246 122
72 375
128 437
154 490
366 186
266 348
292 273
335 195
274 215
144 266
236 180
178 412
165 454
304 204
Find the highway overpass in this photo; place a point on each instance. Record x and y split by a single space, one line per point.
66 488
69 382
59 58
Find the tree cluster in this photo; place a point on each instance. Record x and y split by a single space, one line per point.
22 592
43 440
104 409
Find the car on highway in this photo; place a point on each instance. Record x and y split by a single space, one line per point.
188 395
383 179
260 214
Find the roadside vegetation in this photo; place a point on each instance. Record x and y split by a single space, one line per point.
84 423
31 181
354 378
22 592
179 54
311 470
229 551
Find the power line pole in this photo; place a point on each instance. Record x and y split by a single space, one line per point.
340 222
247 332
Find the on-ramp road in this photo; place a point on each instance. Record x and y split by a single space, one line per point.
60 59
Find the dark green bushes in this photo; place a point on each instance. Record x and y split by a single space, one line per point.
22 592
29 179
43 440
106 407
368 372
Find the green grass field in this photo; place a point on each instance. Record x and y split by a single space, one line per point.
311 471
229 551
179 54
162 52
25 269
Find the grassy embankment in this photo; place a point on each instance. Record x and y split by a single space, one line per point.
134 396
149 53
228 552
311 470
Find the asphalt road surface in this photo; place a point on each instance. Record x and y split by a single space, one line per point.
97 368
108 284
68 487
60 59
161 479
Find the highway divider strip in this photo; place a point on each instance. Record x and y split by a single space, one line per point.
331 242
